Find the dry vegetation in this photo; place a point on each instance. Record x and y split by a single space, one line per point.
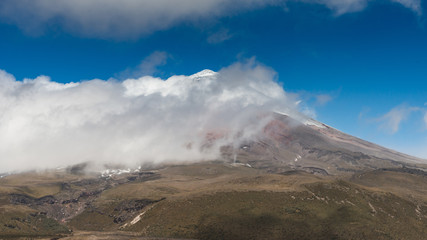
215 200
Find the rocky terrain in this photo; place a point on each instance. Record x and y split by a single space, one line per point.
295 181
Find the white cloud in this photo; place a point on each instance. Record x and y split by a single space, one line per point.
391 121
127 19
46 124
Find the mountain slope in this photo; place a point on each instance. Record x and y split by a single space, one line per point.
295 180
287 144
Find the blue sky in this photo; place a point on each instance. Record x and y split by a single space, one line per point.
359 66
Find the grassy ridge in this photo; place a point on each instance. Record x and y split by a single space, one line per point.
18 221
326 211
220 201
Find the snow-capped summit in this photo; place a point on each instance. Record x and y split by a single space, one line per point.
312 122
303 119
203 74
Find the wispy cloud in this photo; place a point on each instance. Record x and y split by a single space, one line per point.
425 119
363 113
318 99
391 121
309 101
219 36
148 66
340 7
323 99
415 5
127 19
348 6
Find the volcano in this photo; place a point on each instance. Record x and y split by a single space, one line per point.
294 180
288 144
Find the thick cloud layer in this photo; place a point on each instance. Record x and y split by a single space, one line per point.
133 18
116 19
45 124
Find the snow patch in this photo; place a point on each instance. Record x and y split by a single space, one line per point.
373 210
241 164
137 218
2 175
114 172
203 74
312 122
303 119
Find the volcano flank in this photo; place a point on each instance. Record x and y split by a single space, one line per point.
294 180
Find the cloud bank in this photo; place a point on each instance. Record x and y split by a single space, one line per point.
45 124
127 19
